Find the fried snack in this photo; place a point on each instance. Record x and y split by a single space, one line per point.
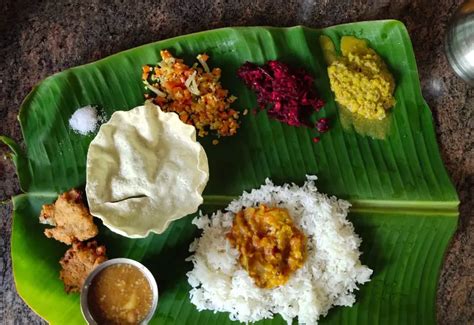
78 262
70 217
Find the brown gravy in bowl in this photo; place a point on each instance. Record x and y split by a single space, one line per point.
120 294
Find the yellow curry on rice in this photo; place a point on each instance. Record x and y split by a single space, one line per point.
271 247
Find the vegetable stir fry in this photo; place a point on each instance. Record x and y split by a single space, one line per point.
194 93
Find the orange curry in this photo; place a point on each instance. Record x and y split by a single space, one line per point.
271 247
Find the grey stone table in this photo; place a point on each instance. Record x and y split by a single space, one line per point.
38 38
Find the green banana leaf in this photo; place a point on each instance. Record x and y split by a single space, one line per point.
404 205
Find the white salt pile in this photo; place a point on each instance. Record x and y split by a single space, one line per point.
84 120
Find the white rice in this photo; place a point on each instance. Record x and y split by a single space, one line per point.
329 276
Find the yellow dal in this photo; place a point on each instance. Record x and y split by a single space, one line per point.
361 81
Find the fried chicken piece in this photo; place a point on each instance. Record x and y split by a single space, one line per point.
70 217
78 262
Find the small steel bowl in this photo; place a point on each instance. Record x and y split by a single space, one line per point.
85 288
459 43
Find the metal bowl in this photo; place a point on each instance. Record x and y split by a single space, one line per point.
85 288
459 44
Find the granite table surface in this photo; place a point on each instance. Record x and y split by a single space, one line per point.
39 38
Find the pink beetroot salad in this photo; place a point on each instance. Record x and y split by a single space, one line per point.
288 95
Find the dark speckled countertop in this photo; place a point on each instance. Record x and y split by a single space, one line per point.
39 38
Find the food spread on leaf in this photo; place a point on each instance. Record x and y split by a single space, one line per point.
193 92
120 294
286 250
144 170
271 247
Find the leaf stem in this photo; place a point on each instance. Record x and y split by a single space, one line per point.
449 208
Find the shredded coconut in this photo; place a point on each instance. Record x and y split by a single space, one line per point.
85 120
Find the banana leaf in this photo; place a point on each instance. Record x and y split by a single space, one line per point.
404 204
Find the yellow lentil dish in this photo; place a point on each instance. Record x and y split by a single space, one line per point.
271 247
194 93
361 81
120 294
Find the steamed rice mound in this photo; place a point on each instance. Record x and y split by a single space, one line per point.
328 277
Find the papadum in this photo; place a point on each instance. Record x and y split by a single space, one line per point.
144 170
